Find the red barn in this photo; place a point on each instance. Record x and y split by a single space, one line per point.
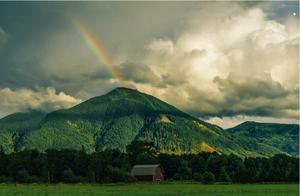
148 172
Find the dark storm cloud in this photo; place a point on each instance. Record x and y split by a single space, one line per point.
28 26
250 96
99 73
3 38
250 87
139 73
44 31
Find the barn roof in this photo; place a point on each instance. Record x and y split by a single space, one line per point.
142 170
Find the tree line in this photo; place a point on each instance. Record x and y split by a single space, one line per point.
112 165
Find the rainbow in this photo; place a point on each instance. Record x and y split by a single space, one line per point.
97 48
95 45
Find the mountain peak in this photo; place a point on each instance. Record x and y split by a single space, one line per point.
248 123
123 101
122 90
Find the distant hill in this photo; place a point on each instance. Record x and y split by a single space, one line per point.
284 137
121 116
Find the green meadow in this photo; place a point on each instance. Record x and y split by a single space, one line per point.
145 189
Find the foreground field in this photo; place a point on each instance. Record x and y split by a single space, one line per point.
148 189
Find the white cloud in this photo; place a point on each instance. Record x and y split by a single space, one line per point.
247 52
46 99
162 46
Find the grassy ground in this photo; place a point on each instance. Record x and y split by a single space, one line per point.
146 189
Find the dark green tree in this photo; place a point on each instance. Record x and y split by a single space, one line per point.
197 164
208 178
140 147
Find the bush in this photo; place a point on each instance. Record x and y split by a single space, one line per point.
6 179
117 175
224 177
70 177
208 178
145 158
198 177
23 176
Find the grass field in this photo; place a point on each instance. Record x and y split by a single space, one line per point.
148 189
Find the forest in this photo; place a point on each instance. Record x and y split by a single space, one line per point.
111 165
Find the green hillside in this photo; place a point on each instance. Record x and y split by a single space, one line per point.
14 127
284 137
116 119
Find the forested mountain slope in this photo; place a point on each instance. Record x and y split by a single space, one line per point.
119 117
284 137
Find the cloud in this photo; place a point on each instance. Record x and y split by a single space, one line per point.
237 87
228 122
219 59
45 99
256 96
237 62
3 37
139 73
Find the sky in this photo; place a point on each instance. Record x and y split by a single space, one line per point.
223 62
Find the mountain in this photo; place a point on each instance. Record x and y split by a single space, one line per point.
284 137
116 119
14 127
